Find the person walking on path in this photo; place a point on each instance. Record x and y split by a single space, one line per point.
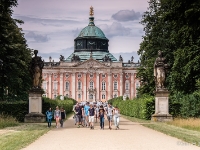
110 115
116 117
57 116
63 116
86 115
78 113
91 112
49 114
101 116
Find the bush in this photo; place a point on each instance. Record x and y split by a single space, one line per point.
141 108
19 109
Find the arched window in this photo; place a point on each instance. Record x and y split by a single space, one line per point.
115 95
103 96
67 85
91 84
103 86
55 86
79 85
115 85
79 96
91 96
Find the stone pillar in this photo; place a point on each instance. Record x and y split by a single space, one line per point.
132 86
97 92
50 83
108 86
111 85
162 107
35 107
73 86
61 84
121 84
85 87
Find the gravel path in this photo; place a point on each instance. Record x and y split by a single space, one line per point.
131 136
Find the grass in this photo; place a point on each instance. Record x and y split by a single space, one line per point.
174 129
18 137
190 123
7 121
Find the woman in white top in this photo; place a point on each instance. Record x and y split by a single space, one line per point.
116 117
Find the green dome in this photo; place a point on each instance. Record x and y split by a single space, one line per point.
92 31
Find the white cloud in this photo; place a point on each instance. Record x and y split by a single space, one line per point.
126 15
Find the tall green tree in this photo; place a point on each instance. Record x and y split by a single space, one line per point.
172 27
15 78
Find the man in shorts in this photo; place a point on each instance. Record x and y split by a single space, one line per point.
110 115
91 112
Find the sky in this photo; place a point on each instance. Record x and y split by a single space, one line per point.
50 26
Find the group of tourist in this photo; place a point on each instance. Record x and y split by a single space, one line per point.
59 116
86 114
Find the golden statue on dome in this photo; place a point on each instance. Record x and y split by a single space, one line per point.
91 11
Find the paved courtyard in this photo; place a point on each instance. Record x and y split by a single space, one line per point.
131 136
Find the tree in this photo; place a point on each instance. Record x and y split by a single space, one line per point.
15 78
172 27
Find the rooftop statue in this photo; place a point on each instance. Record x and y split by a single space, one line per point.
36 70
91 11
62 58
120 58
160 69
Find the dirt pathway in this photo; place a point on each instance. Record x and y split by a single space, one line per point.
131 136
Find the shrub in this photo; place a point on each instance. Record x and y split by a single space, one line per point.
142 107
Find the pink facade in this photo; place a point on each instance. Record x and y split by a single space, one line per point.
90 80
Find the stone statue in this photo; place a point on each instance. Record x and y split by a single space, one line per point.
132 59
160 71
62 58
75 58
36 70
120 58
106 58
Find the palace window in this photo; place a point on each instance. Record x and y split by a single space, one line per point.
103 96
103 86
55 86
127 76
79 96
79 75
44 95
54 96
115 75
67 85
103 75
137 85
91 84
79 85
91 75
44 85
67 75
115 95
127 85
115 85
67 95
91 96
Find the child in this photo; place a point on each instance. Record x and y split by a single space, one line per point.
49 114
63 116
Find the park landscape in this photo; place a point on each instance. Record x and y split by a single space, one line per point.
170 26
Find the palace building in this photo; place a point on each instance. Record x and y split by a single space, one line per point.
90 73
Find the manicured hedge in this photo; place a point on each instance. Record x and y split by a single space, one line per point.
19 109
142 107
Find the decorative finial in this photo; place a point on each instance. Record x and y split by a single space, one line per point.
91 11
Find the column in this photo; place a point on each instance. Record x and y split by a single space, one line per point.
85 87
50 83
111 85
97 92
61 84
73 86
108 86
132 86
121 84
